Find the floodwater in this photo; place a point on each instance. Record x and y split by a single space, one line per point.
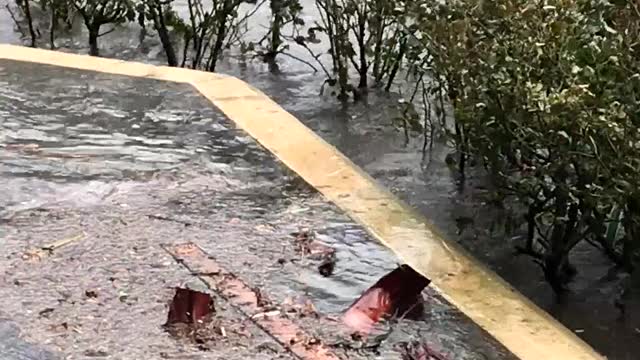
115 158
361 131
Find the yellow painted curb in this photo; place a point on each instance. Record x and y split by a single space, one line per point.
522 327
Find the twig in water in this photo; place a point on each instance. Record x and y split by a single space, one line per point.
315 70
48 249
165 218
315 57
60 243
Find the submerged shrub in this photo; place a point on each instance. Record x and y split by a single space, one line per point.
545 95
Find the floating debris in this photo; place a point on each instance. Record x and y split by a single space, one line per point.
45 312
189 307
328 265
302 241
418 350
170 219
301 306
267 314
307 245
396 294
95 353
358 343
60 327
48 249
262 300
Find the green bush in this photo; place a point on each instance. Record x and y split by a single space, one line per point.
545 94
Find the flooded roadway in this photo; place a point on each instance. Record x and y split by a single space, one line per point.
363 132
134 164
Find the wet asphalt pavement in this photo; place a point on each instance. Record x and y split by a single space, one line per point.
127 165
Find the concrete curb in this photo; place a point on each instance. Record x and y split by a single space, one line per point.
522 327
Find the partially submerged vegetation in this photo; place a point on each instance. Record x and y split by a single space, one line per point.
542 93
545 97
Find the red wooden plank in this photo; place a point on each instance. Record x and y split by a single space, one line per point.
246 300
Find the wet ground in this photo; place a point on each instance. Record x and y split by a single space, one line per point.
364 133
122 166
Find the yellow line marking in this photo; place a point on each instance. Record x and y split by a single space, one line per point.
522 327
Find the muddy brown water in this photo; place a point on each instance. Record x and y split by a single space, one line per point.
361 131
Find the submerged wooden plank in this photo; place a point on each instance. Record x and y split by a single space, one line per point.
246 300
